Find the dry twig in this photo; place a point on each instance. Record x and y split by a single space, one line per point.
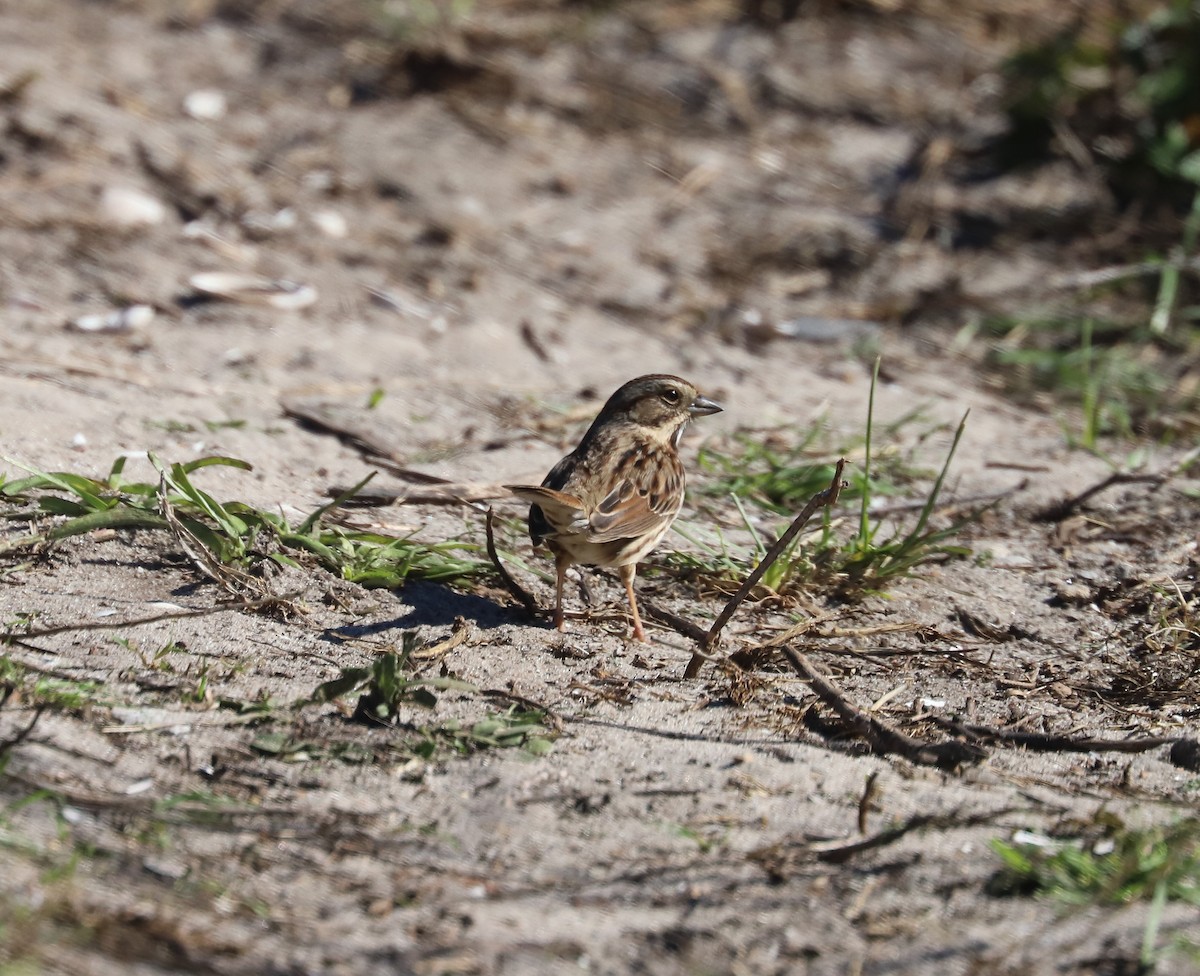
8 745
447 493
523 596
821 499
681 625
460 631
780 859
879 737
1069 506
115 624
1042 742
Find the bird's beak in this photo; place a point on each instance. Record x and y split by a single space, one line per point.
703 406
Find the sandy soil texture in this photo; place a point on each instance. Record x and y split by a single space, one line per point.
490 215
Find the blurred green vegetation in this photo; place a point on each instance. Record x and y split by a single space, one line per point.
1129 100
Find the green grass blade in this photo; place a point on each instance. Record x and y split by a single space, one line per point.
114 518
932 498
307 525
177 480
206 462
85 489
864 514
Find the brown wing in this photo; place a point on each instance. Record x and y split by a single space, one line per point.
645 501
558 503
551 512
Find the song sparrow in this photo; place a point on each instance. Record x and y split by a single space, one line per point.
612 499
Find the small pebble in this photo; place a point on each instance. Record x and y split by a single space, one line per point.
238 287
331 223
127 207
122 320
205 103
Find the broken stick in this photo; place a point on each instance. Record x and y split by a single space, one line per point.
823 498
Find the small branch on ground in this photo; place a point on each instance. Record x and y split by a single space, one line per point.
24 635
522 595
429 656
320 418
681 625
449 493
780 860
1041 742
822 499
866 801
755 655
1069 506
8 745
882 738
433 490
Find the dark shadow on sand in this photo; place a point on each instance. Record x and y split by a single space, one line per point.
431 605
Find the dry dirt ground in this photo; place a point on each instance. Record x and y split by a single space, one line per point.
505 211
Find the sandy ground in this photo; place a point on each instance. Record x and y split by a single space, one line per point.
498 234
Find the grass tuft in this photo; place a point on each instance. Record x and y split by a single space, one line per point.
232 533
1123 865
389 688
869 561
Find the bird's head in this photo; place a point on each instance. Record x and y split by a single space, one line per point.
658 404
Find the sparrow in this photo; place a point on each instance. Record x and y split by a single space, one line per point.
612 499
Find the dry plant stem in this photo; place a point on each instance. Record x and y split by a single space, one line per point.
882 738
8 745
748 658
1041 742
435 490
826 497
522 595
24 635
1069 506
450 493
834 853
869 794
460 632
679 624
317 418
233 581
780 860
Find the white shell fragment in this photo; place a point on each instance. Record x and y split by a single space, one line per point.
813 328
253 289
129 319
205 103
127 207
209 234
265 224
331 223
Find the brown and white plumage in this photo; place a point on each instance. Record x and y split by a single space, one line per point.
611 500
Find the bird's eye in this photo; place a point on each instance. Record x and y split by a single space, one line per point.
671 395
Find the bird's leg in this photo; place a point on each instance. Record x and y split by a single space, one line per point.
561 563
627 575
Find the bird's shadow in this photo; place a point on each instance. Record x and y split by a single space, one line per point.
431 605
